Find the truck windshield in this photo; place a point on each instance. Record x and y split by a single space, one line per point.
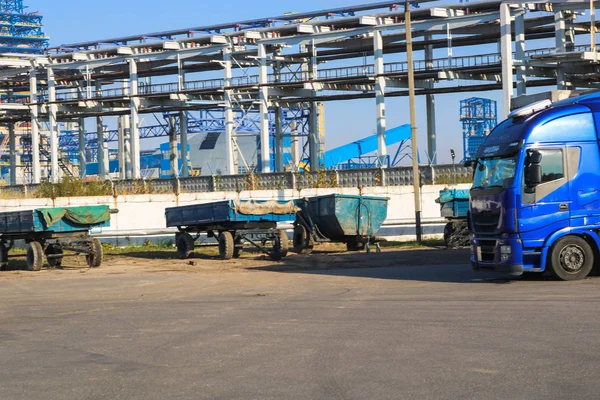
494 172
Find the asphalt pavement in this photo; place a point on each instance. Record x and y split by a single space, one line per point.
425 332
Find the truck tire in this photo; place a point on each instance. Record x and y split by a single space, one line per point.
94 259
226 245
185 245
35 256
303 243
354 244
54 250
571 258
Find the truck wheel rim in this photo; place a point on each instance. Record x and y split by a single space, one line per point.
572 258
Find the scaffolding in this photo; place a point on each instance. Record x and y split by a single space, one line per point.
478 117
21 31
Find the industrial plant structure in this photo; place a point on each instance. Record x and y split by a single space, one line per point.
274 74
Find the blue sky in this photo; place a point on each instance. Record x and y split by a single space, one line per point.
68 21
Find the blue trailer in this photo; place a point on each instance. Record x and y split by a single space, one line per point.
353 220
49 232
535 201
233 223
454 206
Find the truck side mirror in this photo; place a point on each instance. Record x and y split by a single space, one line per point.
535 157
534 177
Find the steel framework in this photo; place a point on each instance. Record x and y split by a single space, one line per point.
263 66
21 31
478 117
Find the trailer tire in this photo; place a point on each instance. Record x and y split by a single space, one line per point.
185 245
94 260
571 258
303 243
239 248
284 243
226 245
355 245
3 257
35 256
54 250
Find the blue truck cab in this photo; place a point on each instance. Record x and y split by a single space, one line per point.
535 201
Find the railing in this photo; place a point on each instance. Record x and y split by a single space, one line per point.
354 178
356 71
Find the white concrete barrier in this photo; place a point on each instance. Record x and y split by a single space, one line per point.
142 217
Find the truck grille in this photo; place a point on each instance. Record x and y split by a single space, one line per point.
486 223
487 250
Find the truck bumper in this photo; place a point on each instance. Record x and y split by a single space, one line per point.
497 254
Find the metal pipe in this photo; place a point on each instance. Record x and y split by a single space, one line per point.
52 112
183 143
82 155
265 156
135 120
380 99
35 134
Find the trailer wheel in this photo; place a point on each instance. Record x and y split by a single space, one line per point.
185 245
355 245
226 245
94 259
303 243
54 250
571 258
239 247
3 257
35 256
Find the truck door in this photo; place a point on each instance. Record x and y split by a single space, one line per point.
547 209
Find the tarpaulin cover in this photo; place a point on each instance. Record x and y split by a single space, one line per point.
251 207
448 195
90 215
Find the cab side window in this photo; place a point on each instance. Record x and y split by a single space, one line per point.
552 165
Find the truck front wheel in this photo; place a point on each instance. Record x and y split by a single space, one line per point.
571 258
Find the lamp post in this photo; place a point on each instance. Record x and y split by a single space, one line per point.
453 155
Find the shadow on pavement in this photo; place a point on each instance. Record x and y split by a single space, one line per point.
427 265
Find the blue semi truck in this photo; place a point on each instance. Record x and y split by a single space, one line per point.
535 201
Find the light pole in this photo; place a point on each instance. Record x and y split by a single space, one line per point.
453 155
413 121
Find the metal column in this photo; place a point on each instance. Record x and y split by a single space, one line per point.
101 158
183 139
380 98
35 133
430 107
561 46
229 120
82 156
265 156
52 111
520 53
12 145
313 134
506 53
135 120
173 164
279 139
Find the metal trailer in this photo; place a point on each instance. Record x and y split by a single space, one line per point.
50 240
454 206
349 219
233 223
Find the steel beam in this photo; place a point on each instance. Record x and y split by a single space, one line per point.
12 151
53 122
380 98
520 53
229 119
35 132
183 143
101 158
136 172
265 153
430 108
507 55
82 155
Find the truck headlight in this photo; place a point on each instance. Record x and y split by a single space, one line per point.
505 252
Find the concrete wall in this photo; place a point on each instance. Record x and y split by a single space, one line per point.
142 217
